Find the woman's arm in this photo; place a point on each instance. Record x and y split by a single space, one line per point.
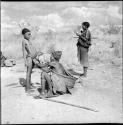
42 65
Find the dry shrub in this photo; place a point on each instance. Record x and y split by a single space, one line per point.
111 29
104 49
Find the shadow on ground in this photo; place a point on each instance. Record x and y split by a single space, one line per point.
22 82
13 84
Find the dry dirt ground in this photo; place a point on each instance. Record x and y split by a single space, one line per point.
102 90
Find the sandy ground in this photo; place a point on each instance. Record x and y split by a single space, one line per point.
102 90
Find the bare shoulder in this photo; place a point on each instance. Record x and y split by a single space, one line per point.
24 42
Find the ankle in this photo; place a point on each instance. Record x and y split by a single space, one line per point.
83 75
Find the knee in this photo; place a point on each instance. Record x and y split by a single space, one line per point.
45 75
29 62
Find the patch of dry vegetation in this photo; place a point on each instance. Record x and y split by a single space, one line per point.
106 48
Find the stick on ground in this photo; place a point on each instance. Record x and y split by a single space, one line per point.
78 106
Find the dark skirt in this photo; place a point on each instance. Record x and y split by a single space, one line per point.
82 55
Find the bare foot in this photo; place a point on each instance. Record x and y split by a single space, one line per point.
29 92
50 94
40 96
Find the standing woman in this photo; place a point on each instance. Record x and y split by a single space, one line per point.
84 42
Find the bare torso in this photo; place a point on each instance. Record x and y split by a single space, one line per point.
28 48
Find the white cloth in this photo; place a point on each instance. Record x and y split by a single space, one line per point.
44 58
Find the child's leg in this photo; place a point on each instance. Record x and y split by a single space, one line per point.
46 78
84 61
85 71
43 82
28 74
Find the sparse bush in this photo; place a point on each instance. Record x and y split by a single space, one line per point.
111 29
105 48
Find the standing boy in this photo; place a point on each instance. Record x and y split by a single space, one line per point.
84 42
29 53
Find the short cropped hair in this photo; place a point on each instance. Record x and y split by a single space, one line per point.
87 24
25 30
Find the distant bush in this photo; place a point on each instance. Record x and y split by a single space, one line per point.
111 29
105 48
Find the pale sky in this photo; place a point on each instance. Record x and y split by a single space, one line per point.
58 15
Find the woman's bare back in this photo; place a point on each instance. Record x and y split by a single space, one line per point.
57 67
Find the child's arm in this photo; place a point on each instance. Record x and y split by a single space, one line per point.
24 52
81 37
86 39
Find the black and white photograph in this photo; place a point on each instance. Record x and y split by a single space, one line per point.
61 62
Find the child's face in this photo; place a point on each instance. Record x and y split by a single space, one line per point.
84 27
27 35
